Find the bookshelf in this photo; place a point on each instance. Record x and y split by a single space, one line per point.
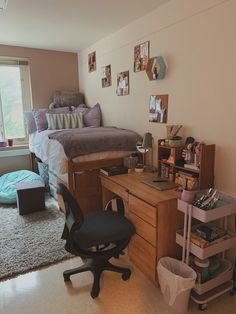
169 166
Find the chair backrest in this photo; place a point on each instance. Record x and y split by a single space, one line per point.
73 212
116 205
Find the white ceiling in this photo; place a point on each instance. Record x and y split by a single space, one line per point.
67 25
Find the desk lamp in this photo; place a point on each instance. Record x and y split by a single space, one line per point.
144 146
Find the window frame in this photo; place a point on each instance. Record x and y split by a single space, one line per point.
26 92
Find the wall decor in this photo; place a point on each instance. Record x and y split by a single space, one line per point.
141 56
106 76
156 68
158 108
122 83
92 61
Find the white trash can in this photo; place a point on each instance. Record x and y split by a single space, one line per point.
176 280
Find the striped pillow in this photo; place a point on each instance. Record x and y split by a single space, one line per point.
64 121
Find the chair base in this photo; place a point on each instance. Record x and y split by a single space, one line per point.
97 266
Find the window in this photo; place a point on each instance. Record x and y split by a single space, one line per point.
15 98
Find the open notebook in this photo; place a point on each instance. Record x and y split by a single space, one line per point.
160 183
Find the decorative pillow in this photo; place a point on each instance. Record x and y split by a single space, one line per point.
64 98
30 123
79 109
64 121
93 116
40 116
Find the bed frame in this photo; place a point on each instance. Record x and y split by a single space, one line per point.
84 182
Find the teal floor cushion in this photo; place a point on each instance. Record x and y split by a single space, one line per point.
8 183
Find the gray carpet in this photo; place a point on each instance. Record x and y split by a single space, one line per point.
30 241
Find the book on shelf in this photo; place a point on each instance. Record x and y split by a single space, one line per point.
112 171
191 166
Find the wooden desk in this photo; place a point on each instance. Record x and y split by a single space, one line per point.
154 215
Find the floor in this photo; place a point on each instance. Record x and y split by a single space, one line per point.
44 292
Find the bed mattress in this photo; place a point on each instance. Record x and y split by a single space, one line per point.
52 153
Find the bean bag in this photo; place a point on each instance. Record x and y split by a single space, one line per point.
9 181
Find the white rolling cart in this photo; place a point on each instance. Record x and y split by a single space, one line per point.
222 281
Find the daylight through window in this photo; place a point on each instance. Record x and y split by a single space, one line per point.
15 98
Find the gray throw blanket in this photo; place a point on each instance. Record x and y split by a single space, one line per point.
77 142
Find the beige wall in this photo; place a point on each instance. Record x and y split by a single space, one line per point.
13 163
197 37
50 71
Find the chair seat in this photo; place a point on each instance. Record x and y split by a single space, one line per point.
103 227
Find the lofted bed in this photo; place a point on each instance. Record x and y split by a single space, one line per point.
74 156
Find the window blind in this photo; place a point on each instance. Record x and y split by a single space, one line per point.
12 62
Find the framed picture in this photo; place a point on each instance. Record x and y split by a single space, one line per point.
122 83
92 61
141 56
106 76
158 108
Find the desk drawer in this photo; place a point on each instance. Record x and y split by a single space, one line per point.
143 210
144 229
115 188
143 255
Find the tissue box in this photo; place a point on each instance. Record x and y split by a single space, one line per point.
130 162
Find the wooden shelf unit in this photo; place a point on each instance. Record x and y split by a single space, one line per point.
205 173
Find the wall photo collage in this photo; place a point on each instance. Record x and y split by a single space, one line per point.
155 68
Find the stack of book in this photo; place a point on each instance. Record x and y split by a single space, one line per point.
187 180
112 171
205 235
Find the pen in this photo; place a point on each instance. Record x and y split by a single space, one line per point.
160 181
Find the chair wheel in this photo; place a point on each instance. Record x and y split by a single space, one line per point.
66 277
126 275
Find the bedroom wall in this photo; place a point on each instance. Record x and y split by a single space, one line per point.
14 163
49 71
197 38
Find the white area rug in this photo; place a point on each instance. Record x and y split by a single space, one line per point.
30 241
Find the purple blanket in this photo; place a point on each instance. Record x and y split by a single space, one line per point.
77 142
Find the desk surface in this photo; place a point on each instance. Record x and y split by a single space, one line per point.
132 182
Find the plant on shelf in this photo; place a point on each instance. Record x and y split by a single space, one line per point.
174 140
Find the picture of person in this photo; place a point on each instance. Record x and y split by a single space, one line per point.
122 83
141 56
158 106
106 76
92 61
156 69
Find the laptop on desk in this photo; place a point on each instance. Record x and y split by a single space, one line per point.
159 183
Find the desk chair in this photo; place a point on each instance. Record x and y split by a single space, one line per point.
95 237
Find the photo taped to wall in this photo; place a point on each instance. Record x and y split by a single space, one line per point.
141 56
122 83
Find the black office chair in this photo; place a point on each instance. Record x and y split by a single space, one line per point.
95 237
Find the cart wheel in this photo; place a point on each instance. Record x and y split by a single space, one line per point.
202 307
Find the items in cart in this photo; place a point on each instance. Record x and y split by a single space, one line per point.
201 267
210 232
207 200
205 235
